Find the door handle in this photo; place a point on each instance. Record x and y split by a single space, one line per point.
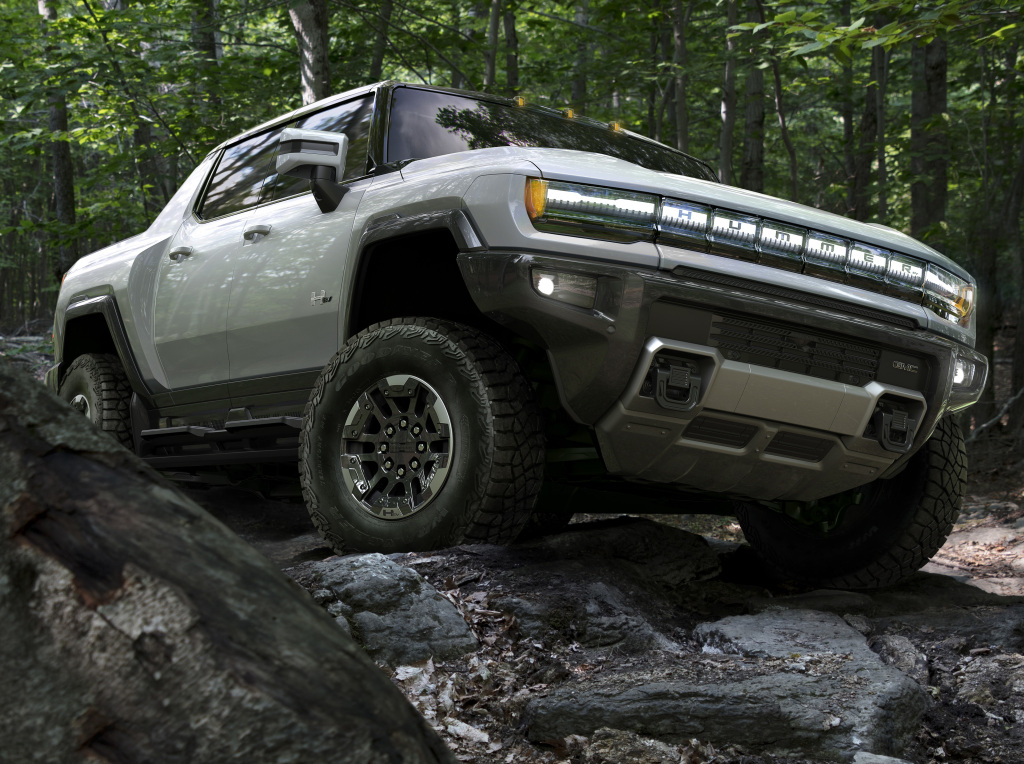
178 253
254 230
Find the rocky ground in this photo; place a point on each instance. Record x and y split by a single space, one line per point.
29 349
635 640
661 639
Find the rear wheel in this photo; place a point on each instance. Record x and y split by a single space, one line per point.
420 434
97 386
874 536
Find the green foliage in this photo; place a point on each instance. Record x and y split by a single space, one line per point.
146 101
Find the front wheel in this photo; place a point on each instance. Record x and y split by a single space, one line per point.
874 536
97 386
420 434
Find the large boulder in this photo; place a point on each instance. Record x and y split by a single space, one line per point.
390 610
789 682
137 628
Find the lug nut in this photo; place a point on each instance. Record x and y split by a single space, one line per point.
383 448
390 430
403 423
401 471
415 464
421 447
416 429
388 464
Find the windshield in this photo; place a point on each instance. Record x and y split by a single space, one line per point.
425 123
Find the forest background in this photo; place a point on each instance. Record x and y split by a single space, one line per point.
901 113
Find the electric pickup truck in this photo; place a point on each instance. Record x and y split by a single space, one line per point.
463 316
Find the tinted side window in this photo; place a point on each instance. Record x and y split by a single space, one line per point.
351 118
239 176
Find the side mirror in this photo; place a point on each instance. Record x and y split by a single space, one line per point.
319 157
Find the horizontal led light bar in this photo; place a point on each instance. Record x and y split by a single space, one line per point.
613 214
603 213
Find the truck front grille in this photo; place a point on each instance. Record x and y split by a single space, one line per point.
794 349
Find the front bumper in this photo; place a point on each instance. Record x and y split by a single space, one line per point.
786 394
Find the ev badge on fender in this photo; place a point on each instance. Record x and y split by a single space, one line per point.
317 299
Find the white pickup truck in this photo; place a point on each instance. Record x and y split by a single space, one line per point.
456 311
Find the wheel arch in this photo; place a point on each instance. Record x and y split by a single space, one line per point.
408 266
95 326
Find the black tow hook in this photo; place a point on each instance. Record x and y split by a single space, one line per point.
677 385
894 428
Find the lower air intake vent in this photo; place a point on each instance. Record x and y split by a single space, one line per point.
802 447
796 349
722 432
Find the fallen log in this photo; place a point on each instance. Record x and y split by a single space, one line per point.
134 627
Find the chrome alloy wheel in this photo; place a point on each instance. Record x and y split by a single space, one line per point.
397 447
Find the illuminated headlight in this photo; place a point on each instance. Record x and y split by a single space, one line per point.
603 213
948 296
571 288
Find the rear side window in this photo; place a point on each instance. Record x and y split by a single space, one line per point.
239 176
351 118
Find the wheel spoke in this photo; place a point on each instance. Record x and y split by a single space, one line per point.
385 401
396 446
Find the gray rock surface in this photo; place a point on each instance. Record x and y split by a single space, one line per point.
397 616
899 652
874 758
815 689
630 641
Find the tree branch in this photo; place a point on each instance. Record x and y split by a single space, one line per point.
995 420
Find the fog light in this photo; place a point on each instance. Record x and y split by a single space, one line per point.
963 373
571 288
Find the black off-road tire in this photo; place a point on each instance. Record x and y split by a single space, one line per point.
496 443
901 523
97 386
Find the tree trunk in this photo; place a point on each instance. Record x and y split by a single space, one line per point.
880 59
148 171
866 146
205 33
380 44
309 18
491 53
63 170
752 167
752 162
138 628
929 144
582 68
680 23
728 110
511 52
846 110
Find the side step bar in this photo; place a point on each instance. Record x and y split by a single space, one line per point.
240 441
